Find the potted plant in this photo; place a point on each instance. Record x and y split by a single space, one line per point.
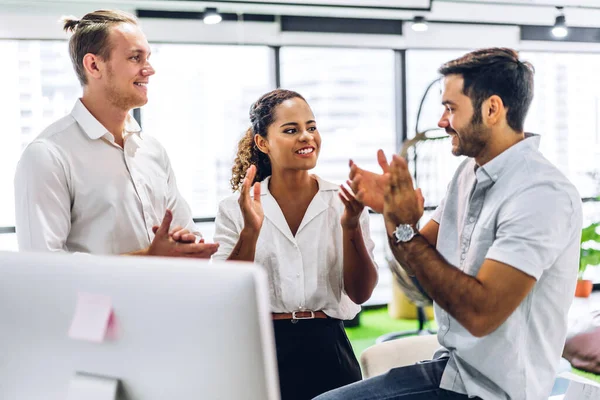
589 255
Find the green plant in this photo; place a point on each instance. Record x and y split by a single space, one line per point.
589 250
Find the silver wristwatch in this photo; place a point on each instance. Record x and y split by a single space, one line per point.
404 233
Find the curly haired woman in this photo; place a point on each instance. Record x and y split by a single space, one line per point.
311 236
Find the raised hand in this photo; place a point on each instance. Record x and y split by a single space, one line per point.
164 244
252 210
367 186
352 208
403 204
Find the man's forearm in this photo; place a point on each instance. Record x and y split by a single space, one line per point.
459 294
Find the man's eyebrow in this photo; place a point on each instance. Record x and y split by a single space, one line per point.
138 51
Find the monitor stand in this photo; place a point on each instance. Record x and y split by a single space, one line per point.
85 386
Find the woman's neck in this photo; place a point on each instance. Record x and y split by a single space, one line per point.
292 185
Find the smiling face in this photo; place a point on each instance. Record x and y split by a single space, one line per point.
128 69
463 123
293 141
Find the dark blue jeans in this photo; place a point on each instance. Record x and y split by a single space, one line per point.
415 382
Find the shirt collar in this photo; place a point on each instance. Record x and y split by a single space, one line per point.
273 212
94 129
496 167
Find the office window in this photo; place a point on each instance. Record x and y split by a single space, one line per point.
566 112
8 242
38 87
198 109
433 164
351 93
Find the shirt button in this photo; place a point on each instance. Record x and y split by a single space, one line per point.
472 219
298 275
444 327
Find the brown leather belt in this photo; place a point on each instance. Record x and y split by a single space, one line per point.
299 315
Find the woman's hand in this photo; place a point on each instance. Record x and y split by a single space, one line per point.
352 208
252 210
369 187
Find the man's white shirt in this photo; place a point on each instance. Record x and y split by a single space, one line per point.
76 190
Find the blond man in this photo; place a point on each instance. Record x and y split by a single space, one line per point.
93 182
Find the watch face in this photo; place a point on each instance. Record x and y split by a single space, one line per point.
404 233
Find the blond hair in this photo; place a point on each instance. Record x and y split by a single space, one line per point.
91 35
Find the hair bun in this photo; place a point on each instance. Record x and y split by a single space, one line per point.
70 23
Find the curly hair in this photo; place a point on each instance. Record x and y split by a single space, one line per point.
262 115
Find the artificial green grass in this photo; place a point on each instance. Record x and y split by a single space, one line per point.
588 375
377 322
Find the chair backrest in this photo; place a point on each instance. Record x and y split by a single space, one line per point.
409 285
382 357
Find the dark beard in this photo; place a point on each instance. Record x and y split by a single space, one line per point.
472 140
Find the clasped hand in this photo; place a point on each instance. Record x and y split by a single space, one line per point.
178 242
391 193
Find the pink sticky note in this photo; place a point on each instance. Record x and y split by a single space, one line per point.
92 315
112 330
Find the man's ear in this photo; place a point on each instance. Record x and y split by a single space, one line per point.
261 143
493 110
93 65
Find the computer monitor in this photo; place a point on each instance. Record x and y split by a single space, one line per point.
186 329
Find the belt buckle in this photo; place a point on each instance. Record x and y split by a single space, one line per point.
295 317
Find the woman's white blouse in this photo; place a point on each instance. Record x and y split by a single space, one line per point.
306 271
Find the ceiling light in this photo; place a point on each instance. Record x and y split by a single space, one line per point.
211 16
419 24
560 30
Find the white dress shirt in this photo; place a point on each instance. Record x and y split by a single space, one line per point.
305 271
76 190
